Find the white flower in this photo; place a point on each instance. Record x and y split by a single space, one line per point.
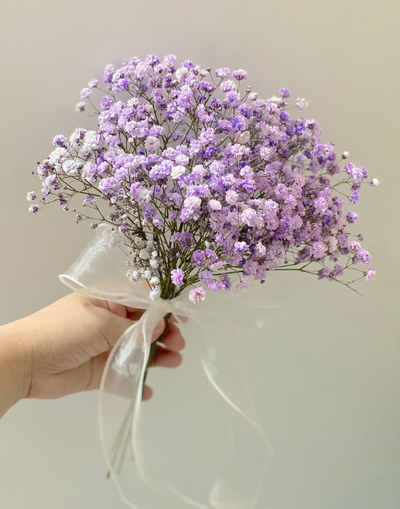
264 128
144 254
197 295
300 180
192 202
276 99
182 159
180 72
332 244
152 143
154 293
143 195
231 197
243 137
70 167
243 285
214 205
134 101
261 249
79 107
154 263
301 103
345 154
31 196
139 242
177 171
50 180
57 156
374 182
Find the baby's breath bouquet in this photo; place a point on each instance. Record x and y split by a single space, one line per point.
209 187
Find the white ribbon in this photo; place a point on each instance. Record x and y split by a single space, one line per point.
226 319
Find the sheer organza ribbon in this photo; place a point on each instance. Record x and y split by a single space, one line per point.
227 320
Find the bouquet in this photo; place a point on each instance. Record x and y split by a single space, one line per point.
205 186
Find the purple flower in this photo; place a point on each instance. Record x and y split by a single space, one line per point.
351 217
225 282
33 209
206 277
243 285
80 107
370 274
241 247
301 103
321 204
284 92
106 102
318 249
239 75
354 198
364 256
85 92
356 173
158 222
223 72
107 184
60 140
197 295
338 271
198 256
185 240
177 277
89 200
108 73
354 246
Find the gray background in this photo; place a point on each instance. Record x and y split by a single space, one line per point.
326 375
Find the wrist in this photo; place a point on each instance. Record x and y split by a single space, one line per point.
15 365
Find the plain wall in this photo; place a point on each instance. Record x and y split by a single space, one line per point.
326 375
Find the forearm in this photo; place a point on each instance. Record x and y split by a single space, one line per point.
14 366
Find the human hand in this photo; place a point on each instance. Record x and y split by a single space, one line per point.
66 344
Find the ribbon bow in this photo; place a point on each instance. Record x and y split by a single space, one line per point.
225 319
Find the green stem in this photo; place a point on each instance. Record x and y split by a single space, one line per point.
154 345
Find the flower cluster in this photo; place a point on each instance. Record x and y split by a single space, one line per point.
207 182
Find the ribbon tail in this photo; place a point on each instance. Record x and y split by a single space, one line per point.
120 424
116 404
241 474
119 409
